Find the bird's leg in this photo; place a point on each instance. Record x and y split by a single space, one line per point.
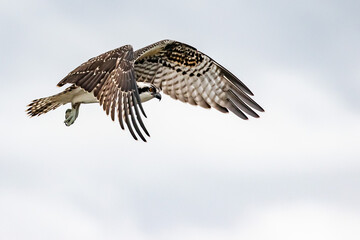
72 114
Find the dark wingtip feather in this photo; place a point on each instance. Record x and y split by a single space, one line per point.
119 108
247 90
233 108
126 109
138 115
239 103
131 103
139 102
234 80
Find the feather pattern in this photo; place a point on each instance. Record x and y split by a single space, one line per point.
189 75
111 77
180 70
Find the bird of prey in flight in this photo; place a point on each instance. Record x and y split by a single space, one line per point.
122 79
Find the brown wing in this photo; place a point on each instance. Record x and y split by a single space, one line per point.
111 77
191 76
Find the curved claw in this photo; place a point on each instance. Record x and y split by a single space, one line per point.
71 114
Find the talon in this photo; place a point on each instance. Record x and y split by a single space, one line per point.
71 115
67 113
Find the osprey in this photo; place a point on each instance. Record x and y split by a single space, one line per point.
122 79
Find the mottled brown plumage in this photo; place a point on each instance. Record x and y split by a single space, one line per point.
111 76
178 69
191 76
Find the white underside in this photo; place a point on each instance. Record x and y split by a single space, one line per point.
82 96
79 95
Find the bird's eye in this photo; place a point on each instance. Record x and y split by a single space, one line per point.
151 89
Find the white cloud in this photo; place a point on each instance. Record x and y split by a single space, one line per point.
293 173
41 218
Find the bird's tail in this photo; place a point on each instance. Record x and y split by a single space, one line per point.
44 105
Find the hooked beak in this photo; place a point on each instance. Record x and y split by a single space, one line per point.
157 95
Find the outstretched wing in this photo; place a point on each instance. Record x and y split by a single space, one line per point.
187 74
111 78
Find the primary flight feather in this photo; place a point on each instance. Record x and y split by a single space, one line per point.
122 79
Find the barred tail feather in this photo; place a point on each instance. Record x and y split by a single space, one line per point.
43 105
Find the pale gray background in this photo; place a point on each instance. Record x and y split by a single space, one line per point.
292 174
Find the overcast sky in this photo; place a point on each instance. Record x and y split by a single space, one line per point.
294 173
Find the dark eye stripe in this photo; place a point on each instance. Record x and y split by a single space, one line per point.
144 89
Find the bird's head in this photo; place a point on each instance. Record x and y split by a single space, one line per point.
148 91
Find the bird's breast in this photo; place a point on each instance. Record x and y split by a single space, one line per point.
82 96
